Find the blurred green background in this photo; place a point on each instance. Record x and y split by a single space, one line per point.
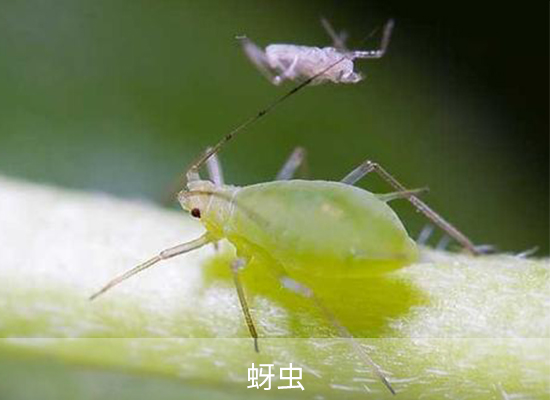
120 96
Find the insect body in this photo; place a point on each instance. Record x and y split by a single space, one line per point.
324 227
292 62
280 62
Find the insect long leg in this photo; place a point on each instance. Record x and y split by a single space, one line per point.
296 160
287 73
235 266
443 243
385 41
338 39
163 255
298 288
425 234
259 59
387 197
215 172
369 166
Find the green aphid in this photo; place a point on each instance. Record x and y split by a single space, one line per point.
301 227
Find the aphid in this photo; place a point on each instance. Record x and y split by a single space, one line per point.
299 226
280 62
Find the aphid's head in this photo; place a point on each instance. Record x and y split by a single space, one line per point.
351 77
206 202
343 72
196 198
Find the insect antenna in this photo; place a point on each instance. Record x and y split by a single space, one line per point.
192 172
251 120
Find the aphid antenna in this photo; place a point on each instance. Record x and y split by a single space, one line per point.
192 171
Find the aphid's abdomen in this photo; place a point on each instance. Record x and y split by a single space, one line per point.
309 61
322 226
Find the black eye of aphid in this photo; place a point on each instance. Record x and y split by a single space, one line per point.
195 212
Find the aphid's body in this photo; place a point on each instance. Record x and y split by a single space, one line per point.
280 62
327 228
302 62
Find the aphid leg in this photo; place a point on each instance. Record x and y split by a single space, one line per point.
527 253
443 243
163 255
259 59
405 194
369 166
214 167
288 72
385 41
235 267
295 161
486 248
425 234
298 288
338 39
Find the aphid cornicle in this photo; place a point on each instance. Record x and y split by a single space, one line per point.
300 227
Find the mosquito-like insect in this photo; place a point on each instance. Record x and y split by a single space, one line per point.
293 225
280 62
